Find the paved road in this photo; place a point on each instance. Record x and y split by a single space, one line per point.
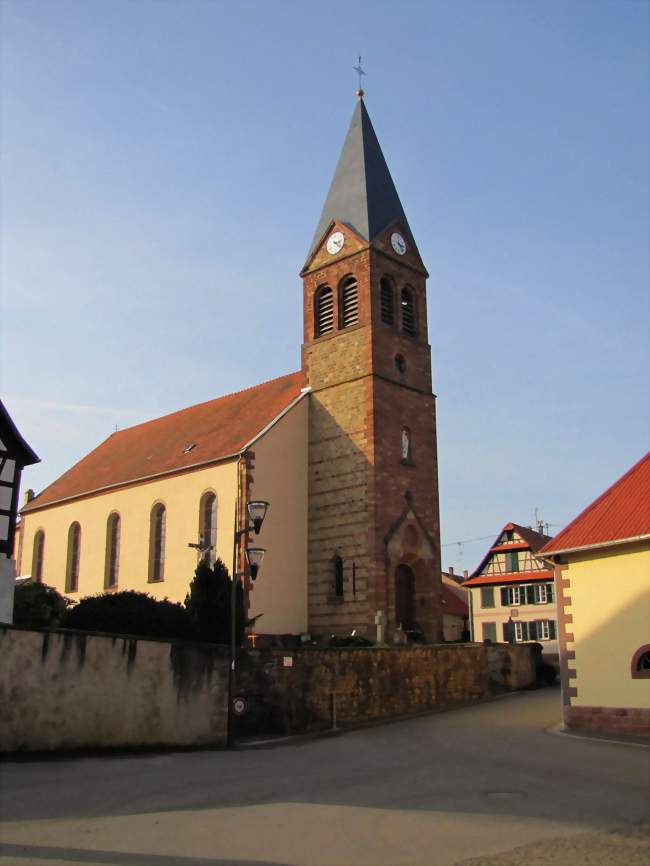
487 785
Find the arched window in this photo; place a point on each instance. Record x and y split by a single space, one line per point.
38 555
641 663
157 543
349 296
338 577
324 309
208 525
409 323
72 563
387 301
112 570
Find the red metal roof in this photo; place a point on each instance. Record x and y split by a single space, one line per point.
621 512
509 577
216 429
452 603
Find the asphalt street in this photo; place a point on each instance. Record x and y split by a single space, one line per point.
484 785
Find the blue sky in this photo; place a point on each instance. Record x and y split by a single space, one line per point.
163 169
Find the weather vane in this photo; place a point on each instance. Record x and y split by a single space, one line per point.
359 72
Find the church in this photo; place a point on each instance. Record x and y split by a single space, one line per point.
344 450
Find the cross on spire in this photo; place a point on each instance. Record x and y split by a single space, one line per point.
359 72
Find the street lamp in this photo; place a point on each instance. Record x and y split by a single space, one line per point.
257 509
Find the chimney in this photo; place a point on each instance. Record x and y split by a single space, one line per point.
451 571
465 574
28 496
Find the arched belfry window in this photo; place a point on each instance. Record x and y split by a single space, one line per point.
157 542
324 311
349 296
72 562
338 576
208 526
387 296
409 322
38 556
113 532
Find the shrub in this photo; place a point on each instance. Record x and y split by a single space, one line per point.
349 640
134 613
208 604
37 605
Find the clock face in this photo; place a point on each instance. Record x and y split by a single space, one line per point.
335 243
398 242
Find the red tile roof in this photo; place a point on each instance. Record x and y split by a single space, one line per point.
452 603
622 512
216 429
510 577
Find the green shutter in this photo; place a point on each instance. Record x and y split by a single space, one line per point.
487 596
549 593
551 629
504 596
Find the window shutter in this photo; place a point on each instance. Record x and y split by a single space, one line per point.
408 313
504 596
530 595
324 311
349 303
551 629
549 593
387 314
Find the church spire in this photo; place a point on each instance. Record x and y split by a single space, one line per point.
362 194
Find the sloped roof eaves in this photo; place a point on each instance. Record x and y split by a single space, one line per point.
509 577
620 515
26 456
223 429
534 541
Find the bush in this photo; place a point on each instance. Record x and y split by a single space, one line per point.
134 613
37 605
208 604
349 640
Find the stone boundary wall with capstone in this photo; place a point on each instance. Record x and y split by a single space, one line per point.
310 689
64 689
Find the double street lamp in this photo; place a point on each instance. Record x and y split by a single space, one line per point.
257 509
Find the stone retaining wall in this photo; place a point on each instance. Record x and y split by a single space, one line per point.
73 690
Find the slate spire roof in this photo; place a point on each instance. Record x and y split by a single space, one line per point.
362 193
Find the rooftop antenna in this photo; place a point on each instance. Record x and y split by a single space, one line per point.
359 72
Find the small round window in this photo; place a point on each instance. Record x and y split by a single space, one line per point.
400 364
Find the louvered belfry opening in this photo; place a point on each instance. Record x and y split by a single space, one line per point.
349 302
324 311
408 313
386 296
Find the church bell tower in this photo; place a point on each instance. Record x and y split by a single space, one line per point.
374 534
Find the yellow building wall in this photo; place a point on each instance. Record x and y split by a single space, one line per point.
181 495
610 606
280 476
499 614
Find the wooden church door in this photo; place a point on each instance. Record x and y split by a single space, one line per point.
404 597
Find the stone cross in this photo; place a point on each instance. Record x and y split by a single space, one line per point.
380 622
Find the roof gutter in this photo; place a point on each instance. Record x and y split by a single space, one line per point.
30 508
616 543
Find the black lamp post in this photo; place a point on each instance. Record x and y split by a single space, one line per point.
257 509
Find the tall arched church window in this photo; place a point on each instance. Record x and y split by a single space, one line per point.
208 526
349 302
38 556
113 532
387 296
72 563
157 543
324 308
409 323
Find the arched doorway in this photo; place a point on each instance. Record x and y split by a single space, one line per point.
404 597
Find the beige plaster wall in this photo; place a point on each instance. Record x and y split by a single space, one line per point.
280 476
181 495
70 690
609 595
499 614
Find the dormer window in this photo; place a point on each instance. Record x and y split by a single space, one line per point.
408 312
324 308
349 303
